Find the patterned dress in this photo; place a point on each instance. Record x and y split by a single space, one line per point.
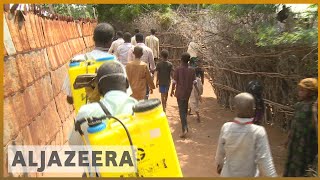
303 145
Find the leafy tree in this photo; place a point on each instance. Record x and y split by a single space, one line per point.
239 10
74 10
126 12
256 25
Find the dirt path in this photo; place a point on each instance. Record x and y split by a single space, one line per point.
196 153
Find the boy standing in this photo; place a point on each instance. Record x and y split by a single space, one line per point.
138 75
164 69
184 78
243 147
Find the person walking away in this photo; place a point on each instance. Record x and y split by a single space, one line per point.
255 89
112 84
122 51
153 43
195 51
243 147
200 73
302 137
147 57
164 73
102 37
138 75
183 80
195 98
115 44
133 39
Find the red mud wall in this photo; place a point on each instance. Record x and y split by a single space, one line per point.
35 64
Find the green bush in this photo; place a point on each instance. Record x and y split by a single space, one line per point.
166 19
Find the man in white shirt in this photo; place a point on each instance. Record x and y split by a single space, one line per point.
122 52
153 43
147 56
133 39
115 44
243 147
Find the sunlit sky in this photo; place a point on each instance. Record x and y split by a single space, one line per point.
298 7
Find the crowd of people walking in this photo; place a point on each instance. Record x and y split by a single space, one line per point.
243 147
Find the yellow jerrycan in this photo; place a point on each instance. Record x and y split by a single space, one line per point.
77 68
150 133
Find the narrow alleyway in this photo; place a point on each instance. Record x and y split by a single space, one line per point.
196 153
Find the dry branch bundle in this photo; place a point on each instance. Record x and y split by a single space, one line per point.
231 65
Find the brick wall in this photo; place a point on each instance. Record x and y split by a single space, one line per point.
35 65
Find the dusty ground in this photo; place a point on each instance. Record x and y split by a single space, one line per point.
196 152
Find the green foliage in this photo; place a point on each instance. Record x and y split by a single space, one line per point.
243 36
166 19
126 12
239 10
74 10
256 25
270 36
189 6
312 11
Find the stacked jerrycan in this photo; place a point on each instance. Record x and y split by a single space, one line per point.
79 67
150 133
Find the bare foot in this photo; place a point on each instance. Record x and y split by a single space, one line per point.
198 117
